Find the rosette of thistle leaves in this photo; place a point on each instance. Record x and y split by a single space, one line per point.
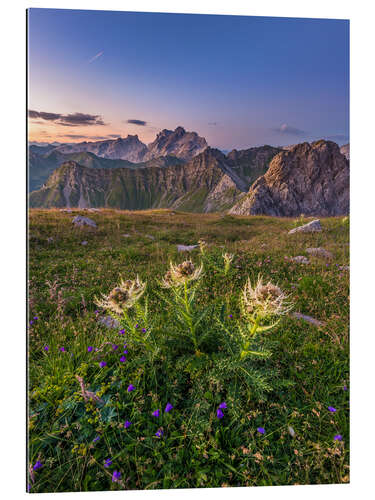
182 280
123 304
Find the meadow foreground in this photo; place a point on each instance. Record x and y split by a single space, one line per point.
193 382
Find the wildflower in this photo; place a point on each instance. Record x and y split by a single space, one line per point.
116 476
332 409
31 322
122 297
182 273
90 349
125 351
156 413
96 439
144 330
159 433
338 437
131 388
264 300
107 463
102 364
62 349
46 348
127 424
38 465
168 408
122 359
345 388
114 347
35 318
137 326
228 258
96 312
219 413
231 316
223 405
122 332
261 430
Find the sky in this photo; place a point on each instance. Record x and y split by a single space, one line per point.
238 81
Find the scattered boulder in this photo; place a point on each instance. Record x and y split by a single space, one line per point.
299 259
186 248
109 322
310 227
319 252
308 319
80 221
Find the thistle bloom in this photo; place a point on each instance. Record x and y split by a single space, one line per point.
261 430
90 349
156 413
264 300
168 408
223 405
102 364
116 476
182 273
159 433
122 297
122 359
228 258
127 424
338 437
131 388
38 465
219 413
108 462
332 409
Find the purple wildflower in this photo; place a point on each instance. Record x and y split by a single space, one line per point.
156 413
114 347
168 408
137 326
90 349
62 349
332 409
338 437
144 330
159 433
116 476
131 388
231 316
96 439
38 465
223 405
35 318
108 462
31 322
102 364
261 430
122 332
345 388
125 351
219 413
127 424
46 348
122 359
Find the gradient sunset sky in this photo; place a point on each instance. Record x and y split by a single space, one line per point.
237 81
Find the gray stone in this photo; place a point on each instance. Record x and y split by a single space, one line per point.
308 319
80 220
319 252
186 248
310 227
299 259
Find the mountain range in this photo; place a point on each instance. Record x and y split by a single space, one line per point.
179 170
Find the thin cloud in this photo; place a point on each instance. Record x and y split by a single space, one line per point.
68 120
288 130
96 56
134 121
114 136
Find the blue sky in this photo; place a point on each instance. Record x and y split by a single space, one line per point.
238 81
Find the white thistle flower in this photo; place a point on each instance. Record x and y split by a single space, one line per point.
228 258
123 296
182 273
264 300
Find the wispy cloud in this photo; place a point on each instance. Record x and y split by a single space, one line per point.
288 130
96 56
69 120
134 121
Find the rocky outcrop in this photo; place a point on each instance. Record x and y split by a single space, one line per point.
311 227
309 179
178 143
345 150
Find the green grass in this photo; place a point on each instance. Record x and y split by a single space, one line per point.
307 371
